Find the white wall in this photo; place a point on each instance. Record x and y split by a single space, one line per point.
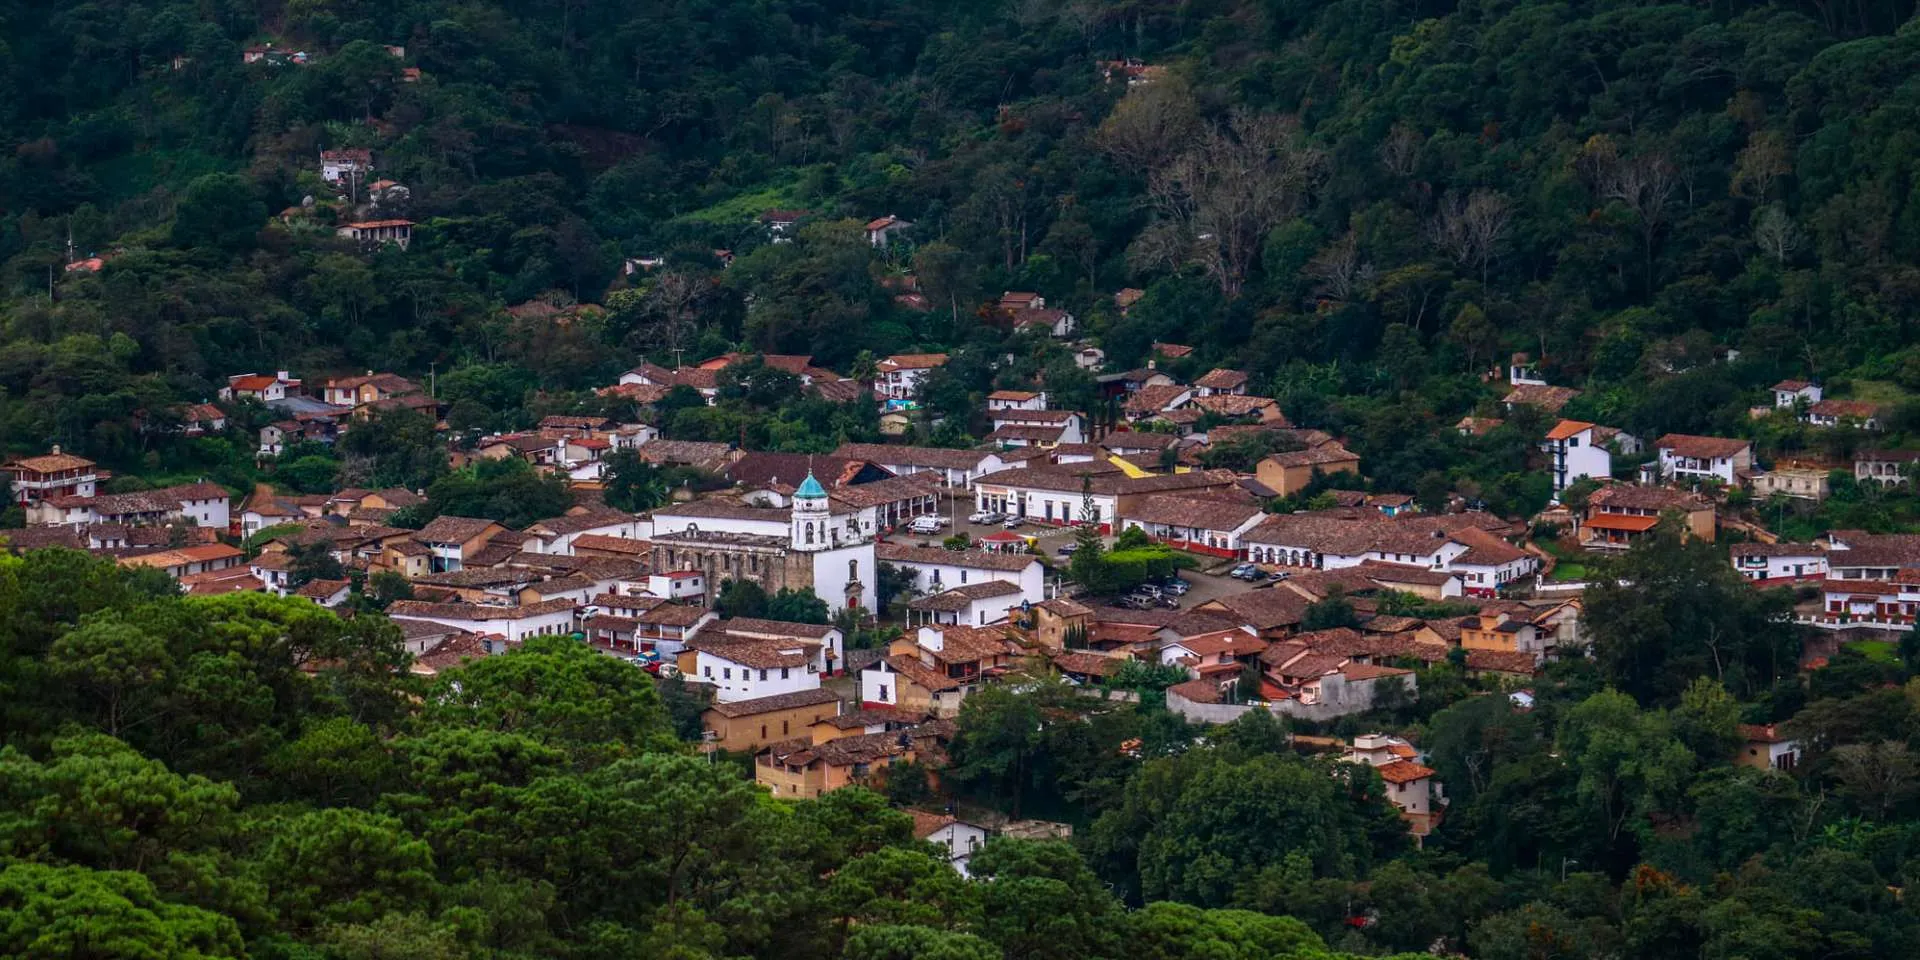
1032 578
830 570
880 684
547 624
207 513
733 681
1808 565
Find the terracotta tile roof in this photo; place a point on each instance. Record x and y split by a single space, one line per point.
1087 664
1199 691
1153 399
1063 607
770 629
1703 448
1263 609
611 544
452 530
673 615
475 611
959 598
1046 417
1171 351
1138 440
1877 550
914 486
1221 379
1762 733
971 559
1178 511
321 589
1547 398
779 701
1628 496
1031 434
1517 662
1845 409
1232 642
1371 671
964 644
1326 453
928 457
51 463
215 582
1568 428
1238 405
722 509
913 361
920 674
1105 479
1403 771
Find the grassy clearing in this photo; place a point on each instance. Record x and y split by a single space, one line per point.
1881 651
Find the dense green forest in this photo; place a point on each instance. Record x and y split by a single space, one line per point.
253 776
1364 203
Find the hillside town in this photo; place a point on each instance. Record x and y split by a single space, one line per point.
1273 580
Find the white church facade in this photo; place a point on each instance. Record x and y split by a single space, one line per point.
807 545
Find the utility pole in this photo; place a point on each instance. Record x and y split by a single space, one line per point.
433 379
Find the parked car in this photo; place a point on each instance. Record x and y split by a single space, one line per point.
983 517
1277 576
1175 585
1245 571
1171 603
925 524
1012 523
1068 549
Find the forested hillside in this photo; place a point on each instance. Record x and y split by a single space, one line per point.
1364 203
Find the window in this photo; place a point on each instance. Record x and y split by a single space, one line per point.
783 728
783 672
709 672
809 533
763 675
883 692
726 673
963 577
853 570
763 731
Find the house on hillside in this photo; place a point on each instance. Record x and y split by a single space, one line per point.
1789 393
53 474
373 233
1618 514
1685 457
1834 413
1575 452
886 230
898 377
265 388
337 166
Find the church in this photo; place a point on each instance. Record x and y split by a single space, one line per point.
815 543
